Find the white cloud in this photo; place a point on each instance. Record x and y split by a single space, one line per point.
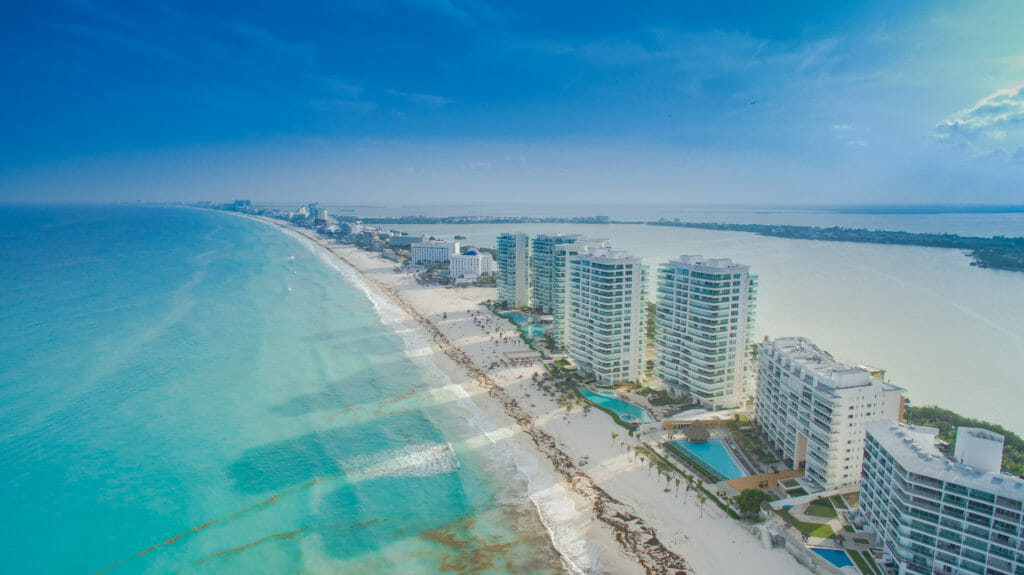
423 99
994 124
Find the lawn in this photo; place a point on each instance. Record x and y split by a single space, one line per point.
810 529
796 492
852 500
822 508
864 562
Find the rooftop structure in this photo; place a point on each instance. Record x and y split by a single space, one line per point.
935 515
812 408
704 322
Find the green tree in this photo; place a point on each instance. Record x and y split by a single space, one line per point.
749 501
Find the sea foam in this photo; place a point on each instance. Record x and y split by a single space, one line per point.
558 513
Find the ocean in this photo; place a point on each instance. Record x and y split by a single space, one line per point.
187 391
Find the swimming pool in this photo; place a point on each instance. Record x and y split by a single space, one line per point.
517 317
713 455
535 331
837 557
628 412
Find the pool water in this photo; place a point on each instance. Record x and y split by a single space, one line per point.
535 331
626 411
714 455
518 318
837 557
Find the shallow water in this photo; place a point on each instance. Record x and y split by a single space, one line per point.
187 391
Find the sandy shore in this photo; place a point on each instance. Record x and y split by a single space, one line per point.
632 522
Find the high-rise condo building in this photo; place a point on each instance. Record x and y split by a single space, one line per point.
514 269
607 291
812 409
561 253
704 324
543 269
936 515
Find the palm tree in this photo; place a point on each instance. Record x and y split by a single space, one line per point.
702 498
677 488
614 437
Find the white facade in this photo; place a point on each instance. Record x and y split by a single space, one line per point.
979 448
606 314
514 269
434 252
470 265
934 515
813 408
543 269
704 324
561 253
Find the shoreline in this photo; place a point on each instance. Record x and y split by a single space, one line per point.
633 522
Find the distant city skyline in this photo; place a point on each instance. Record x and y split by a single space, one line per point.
427 102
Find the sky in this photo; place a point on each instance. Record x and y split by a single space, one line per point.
466 101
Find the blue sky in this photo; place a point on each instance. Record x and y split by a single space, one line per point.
469 101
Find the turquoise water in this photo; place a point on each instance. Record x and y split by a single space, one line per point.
518 317
192 392
714 455
535 331
837 557
626 411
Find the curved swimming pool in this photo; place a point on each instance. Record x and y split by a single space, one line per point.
628 412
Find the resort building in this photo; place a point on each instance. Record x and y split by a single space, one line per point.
812 409
404 241
470 265
704 323
543 269
606 313
936 515
433 252
513 269
561 253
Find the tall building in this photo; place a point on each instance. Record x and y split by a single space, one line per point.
935 515
561 254
470 265
813 409
607 291
704 324
543 269
514 269
433 252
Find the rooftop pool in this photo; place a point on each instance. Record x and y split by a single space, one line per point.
713 455
837 557
628 412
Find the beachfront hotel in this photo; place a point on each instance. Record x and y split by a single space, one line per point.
812 408
513 269
470 265
561 253
936 515
607 291
543 269
434 252
704 324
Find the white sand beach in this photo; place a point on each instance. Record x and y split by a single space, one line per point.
631 520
